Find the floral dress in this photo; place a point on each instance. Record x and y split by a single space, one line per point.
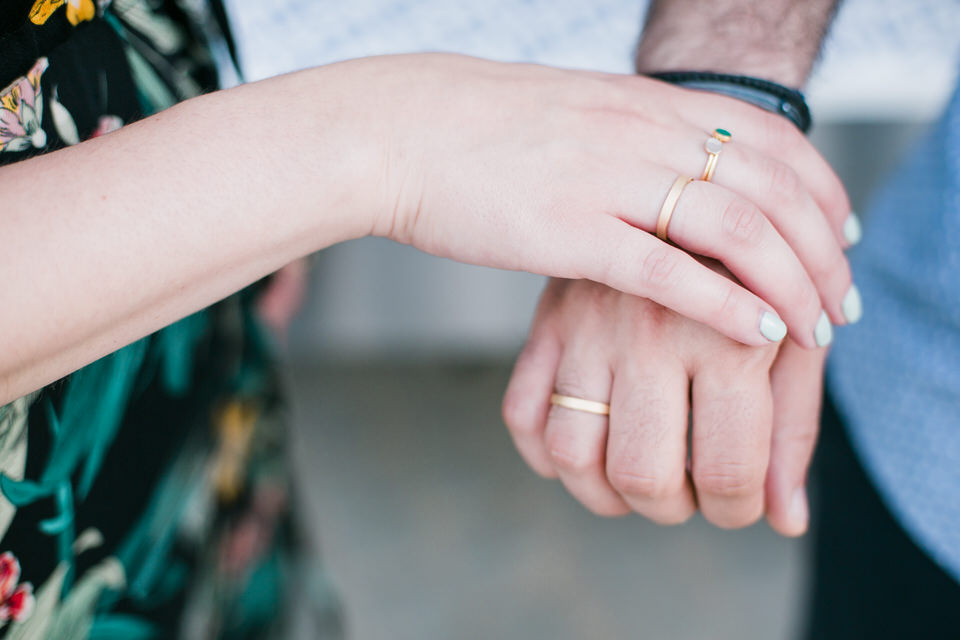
145 495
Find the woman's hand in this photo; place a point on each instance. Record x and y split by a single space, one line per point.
564 172
754 412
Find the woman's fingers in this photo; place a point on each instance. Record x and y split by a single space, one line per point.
777 138
647 445
797 383
732 413
637 263
714 222
576 440
779 192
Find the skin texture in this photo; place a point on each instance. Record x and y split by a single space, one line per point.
558 173
753 411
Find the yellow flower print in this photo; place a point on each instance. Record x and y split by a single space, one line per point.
43 9
80 10
77 10
235 424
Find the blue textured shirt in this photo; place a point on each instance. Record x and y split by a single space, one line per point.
895 377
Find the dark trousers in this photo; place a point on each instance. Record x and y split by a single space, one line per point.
870 580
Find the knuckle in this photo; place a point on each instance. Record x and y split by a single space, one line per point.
569 380
609 264
729 479
800 438
736 520
806 297
659 268
800 293
568 457
628 480
782 181
519 414
834 271
735 358
729 301
671 517
743 222
571 461
782 137
754 358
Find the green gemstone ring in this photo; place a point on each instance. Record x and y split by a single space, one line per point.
722 135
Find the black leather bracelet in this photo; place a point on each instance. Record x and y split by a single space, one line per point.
767 95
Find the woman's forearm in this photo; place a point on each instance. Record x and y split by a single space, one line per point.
117 237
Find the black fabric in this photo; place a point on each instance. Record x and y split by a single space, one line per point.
14 14
22 42
870 580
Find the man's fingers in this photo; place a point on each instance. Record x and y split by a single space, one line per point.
647 445
797 383
732 412
526 402
576 440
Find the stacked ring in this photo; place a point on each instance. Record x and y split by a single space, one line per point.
713 147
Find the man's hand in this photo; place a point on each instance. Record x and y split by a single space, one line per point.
592 342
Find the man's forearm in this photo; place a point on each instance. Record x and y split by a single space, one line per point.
777 40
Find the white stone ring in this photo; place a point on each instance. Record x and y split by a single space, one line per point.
713 146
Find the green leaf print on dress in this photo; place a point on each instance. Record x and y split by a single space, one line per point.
13 450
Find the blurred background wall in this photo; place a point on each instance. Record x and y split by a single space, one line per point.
431 525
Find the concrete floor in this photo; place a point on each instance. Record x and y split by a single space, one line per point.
432 527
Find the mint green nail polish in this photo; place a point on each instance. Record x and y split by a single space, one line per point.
823 332
852 305
852 231
772 327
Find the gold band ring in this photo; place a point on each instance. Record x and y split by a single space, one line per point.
670 204
579 404
713 146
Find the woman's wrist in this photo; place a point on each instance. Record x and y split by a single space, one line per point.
329 149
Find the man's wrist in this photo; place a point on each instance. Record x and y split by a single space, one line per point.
776 40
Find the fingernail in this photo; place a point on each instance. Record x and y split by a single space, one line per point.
823 332
852 231
772 327
799 511
852 305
